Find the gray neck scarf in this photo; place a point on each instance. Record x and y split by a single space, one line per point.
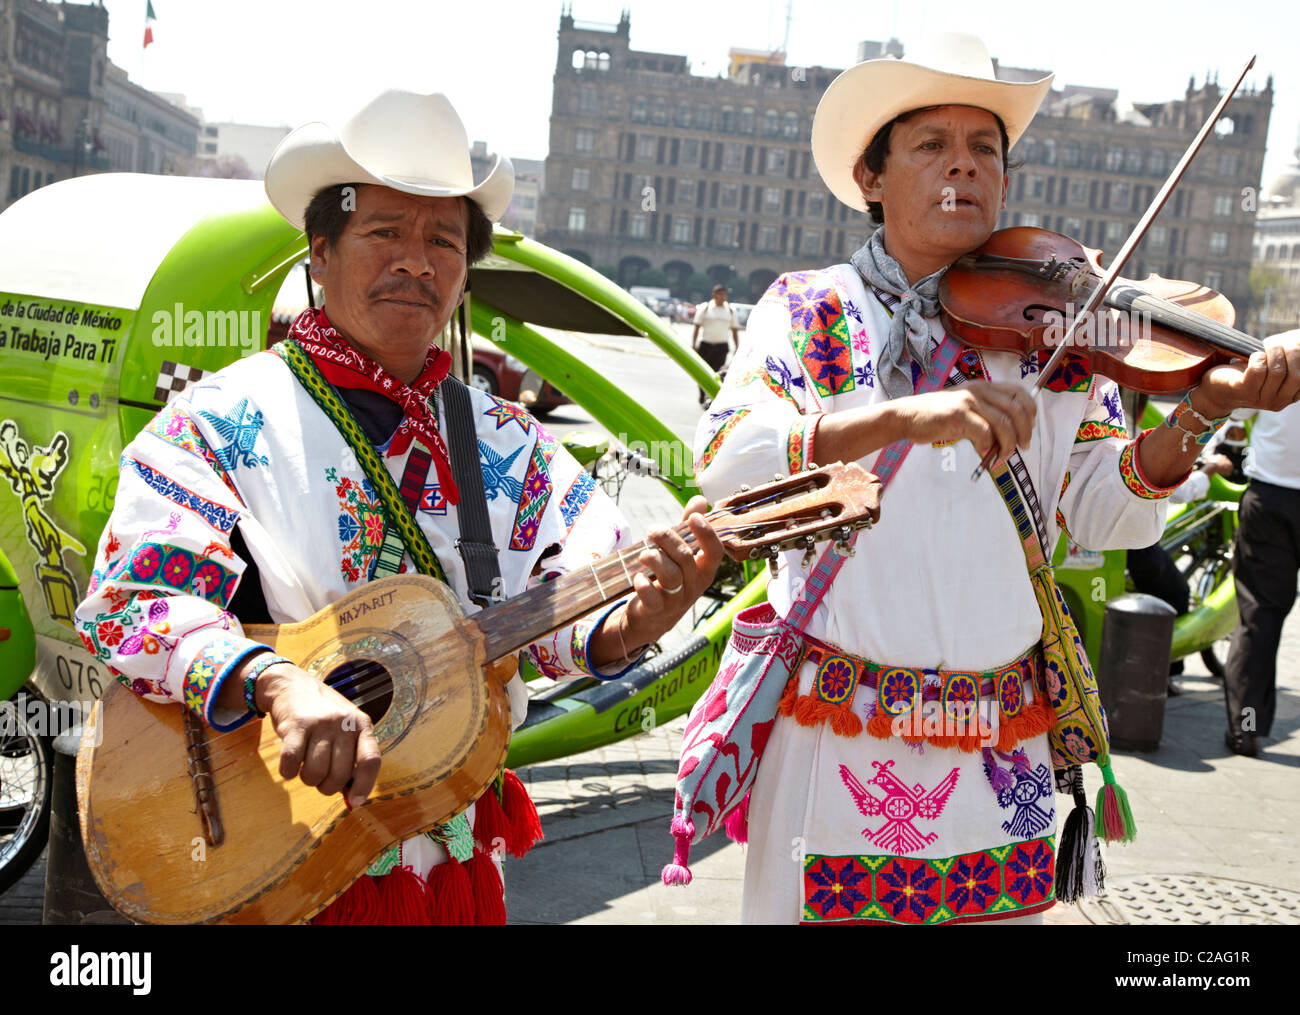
909 331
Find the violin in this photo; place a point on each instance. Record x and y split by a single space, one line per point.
1022 289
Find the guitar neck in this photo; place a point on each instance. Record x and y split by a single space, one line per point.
552 605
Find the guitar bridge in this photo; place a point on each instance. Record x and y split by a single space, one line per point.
205 790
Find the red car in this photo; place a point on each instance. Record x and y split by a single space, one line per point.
508 378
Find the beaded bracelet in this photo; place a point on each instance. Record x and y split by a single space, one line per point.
1181 411
264 660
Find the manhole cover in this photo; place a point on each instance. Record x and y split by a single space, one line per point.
1190 899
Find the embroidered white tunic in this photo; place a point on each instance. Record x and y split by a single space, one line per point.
872 829
249 447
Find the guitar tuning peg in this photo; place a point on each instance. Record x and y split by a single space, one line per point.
809 553
842 545
744 488
777 477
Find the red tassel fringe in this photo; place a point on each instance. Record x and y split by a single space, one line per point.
489 893
491 826
450 895
525 826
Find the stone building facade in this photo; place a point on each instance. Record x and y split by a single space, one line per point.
653 167
66 110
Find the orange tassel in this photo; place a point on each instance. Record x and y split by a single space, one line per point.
451 896
845 721
881 725
525 825
489 893
788 697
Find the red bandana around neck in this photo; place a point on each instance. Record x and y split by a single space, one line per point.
346 367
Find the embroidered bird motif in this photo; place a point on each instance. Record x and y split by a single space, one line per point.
902 804
496 473
242 431
1029 818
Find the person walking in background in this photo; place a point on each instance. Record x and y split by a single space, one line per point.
714 319
1264 566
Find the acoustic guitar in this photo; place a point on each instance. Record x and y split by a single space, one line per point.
183 824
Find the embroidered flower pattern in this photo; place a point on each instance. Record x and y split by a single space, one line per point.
973 882
1031 870
837 892
908 889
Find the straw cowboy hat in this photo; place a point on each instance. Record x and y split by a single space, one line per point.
946 69
409 142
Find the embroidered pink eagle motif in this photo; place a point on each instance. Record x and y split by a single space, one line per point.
900 806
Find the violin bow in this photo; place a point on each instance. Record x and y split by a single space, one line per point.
1126 251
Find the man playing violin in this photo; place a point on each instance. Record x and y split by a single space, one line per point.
937 598
246 492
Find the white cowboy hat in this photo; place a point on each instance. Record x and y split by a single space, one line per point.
946 69
409 142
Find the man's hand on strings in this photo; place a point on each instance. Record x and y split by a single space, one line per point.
1269 380
679 573
327 741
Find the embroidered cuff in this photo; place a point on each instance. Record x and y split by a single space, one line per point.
799 442
567 653
727 424
219 658
1131 471
1096 430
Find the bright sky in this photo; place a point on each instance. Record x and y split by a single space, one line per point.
280 62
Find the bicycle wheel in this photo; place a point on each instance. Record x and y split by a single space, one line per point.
26 785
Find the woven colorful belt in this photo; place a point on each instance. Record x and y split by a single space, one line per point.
899 692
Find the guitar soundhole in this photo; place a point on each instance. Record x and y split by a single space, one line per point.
366 684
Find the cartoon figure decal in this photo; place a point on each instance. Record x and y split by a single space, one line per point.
31 472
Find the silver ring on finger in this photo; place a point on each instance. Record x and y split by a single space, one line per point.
671 592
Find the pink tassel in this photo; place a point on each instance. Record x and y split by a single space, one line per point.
678 872
683 827
737 823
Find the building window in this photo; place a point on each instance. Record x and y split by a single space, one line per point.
1029 219
771 200
747 120
771 123
209 131
811 242
577 220
1049 152
637 114
684 115
1156 162
636 226
588 99
1214 280
681 230
704 117
1028 149
1133 161
691 152
1121 194
817 204
659 114
724 234
1070 154
584 139
1078 191
1228 164
733 157
1036 186
1158 238
776 160
209 148
685 191
13 182
728 120
768 238
1074 227
1223 204
1218 243
581 179
647 148
1115 233
791 125
1114 159
730 197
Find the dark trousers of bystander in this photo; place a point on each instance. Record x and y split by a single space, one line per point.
1264 566
714 354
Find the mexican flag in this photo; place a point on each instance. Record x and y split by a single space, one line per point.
149 19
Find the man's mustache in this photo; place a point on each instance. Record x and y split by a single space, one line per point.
413 291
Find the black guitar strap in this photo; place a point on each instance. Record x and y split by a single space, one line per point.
482 571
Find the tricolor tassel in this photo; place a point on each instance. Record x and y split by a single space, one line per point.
737 823
1080 873
679 872
525 825
1114 817
489 894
